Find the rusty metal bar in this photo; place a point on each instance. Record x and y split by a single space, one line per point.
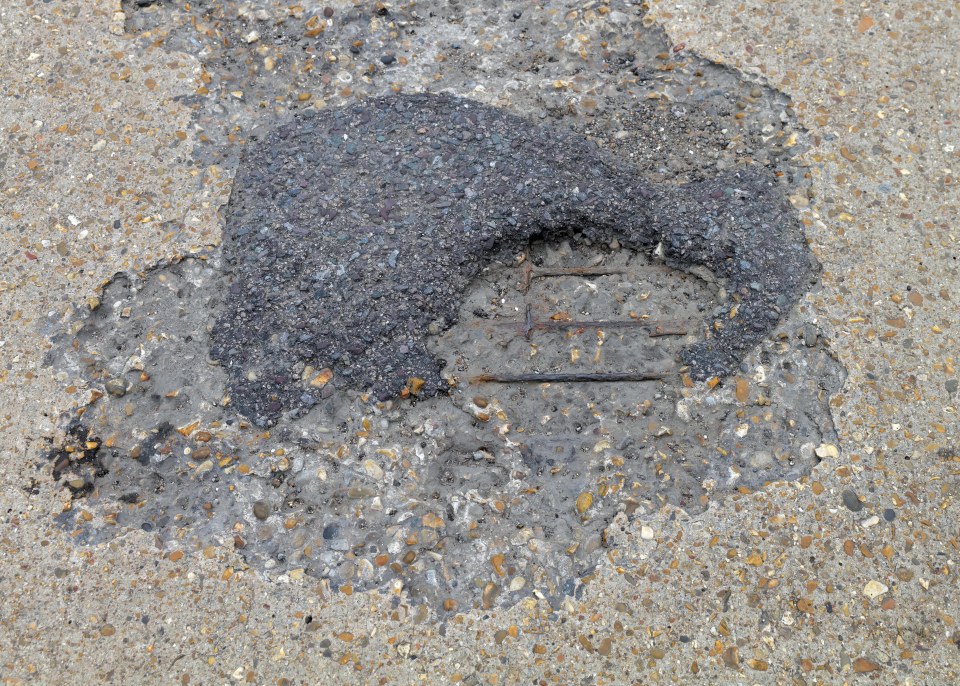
658 328
530 324
530 272
601 377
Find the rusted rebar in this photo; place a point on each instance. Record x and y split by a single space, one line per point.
601 377
530 272
656 328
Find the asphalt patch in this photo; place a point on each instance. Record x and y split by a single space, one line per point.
351 231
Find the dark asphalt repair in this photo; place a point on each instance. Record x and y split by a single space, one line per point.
350 231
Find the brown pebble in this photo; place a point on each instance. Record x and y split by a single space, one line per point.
480 401
742 390
261 510
584 501
328 12
489 595
415 384
904 574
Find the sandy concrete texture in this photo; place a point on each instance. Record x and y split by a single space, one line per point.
798 583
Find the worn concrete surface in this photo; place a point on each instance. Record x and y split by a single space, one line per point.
846 577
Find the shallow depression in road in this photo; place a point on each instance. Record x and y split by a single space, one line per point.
398 370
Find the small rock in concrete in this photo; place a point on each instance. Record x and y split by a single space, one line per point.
261 510
874 589
825 450
116 387
851 501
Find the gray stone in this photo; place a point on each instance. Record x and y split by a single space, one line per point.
851 501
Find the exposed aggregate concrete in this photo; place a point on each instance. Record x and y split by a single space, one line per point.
427 491
360 244
845 576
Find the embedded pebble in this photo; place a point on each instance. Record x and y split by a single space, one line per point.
874 589
825 450
851 501
373 470
261 510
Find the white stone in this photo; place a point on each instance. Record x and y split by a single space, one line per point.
827 450
373 470
874 589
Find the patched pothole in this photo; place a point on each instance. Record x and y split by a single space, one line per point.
350 231
222 417
402 366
